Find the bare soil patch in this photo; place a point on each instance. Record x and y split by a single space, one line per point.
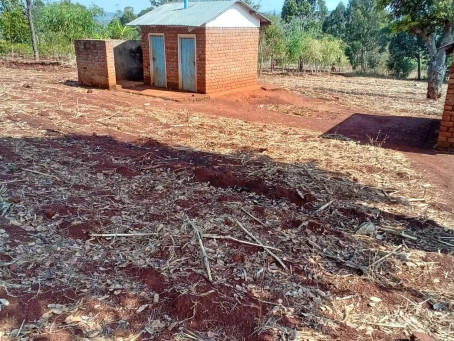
366 244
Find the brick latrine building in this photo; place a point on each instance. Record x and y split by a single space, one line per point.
203 46
446 135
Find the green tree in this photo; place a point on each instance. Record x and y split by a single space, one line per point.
433 21
254 4
406 52
14 25
273 41
68 21
308 13
400 66
332 52
145 11
127 15
303 18
117 30
335 23
364 32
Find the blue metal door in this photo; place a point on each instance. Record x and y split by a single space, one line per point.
187 64
158 61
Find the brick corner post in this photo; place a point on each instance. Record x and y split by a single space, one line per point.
446 135
95 63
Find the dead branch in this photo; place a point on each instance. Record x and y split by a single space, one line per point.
40 173
250 215
113 235
11 181
324 207
202 248
261 244
398 233
385 256
213 236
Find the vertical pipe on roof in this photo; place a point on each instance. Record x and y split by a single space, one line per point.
186 4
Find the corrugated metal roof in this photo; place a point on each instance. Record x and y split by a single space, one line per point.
197 14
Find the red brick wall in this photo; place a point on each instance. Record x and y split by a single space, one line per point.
171 50
226 57
95 63
231 58
446 135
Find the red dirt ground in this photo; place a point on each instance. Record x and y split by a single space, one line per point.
208 312
416 137
413 136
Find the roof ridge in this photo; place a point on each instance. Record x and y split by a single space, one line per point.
197 14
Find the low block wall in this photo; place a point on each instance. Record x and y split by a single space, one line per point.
128 58
100 63
446 135
95 63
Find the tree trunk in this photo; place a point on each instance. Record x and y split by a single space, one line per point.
300 65
437 71
32 29
437 63
261 65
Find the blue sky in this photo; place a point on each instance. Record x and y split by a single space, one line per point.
112 6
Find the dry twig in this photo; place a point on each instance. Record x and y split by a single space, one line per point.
261 244
250 215
386 256
213 236
41 173
113 235
202 248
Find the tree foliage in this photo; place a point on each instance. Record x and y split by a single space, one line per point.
310 14
68 21
14 26
117 30
127 15
405 54
431 20
335 23
364 32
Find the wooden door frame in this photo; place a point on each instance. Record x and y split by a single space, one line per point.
180 77
150 49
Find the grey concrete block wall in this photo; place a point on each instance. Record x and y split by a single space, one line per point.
128 60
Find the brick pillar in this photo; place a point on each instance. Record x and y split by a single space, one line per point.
110 65
95 63
446 135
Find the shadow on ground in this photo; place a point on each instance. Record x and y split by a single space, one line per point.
394 132
81 177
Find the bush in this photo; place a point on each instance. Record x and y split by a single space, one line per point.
46 50
400 67
15 49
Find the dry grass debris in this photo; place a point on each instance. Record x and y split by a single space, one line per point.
377 95
96 192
